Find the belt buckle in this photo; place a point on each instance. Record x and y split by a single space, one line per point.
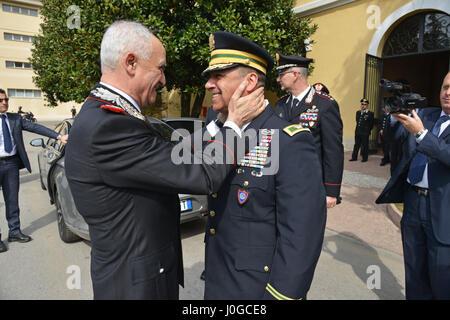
422 192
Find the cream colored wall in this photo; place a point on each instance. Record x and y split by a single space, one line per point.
302 2
341 44
17 23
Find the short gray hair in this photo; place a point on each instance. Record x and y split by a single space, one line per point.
301 70
124 36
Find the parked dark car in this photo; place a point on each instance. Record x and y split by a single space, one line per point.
71 225
189 124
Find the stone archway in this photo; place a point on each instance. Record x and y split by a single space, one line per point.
378 38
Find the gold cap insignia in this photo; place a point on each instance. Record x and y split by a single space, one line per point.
278 57
212 43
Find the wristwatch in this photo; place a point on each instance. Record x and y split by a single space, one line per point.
418 134
58 137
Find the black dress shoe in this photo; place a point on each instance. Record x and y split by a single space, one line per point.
364 160
3 247
20 237
352 160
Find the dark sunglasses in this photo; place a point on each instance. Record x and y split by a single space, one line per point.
6 100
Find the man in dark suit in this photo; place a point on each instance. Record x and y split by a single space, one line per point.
13 158
385 135
124 176
364 124
316 110
266 223
422 182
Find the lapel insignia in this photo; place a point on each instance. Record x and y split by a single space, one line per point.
310 96
118 102
242 196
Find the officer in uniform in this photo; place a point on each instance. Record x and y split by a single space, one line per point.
124 177
266 224
364 124
316 110
385 134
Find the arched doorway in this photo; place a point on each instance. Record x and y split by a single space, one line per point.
417 52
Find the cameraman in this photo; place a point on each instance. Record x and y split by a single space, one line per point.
422 181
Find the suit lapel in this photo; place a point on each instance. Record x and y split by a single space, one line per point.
445 133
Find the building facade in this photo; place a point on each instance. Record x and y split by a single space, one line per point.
19 23
359 42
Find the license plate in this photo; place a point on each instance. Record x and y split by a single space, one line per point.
185 205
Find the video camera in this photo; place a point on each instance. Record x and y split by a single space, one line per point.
403 100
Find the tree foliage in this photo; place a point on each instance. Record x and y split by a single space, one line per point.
66 61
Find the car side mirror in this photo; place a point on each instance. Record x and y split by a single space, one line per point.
38 142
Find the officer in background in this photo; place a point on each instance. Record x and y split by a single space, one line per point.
266 224
317 111
385 135
364 124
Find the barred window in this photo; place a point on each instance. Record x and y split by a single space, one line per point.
421 33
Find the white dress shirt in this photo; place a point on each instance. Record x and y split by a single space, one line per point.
213 128
3 153
424 182
122 94
302 94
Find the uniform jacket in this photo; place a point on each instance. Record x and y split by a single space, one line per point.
364 123
438 152
17 125
264 232
385 125
125 185
320 113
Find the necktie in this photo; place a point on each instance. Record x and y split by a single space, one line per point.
293 105
7 142
420 160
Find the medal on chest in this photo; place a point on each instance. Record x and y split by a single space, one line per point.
257 157
311 116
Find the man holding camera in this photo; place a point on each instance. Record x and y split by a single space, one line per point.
422 182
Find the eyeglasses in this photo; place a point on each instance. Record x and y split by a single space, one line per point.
6 100
283 73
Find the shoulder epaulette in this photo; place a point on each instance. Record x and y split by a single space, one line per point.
113 108
294 129
325 95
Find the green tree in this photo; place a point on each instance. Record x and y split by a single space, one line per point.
66 60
